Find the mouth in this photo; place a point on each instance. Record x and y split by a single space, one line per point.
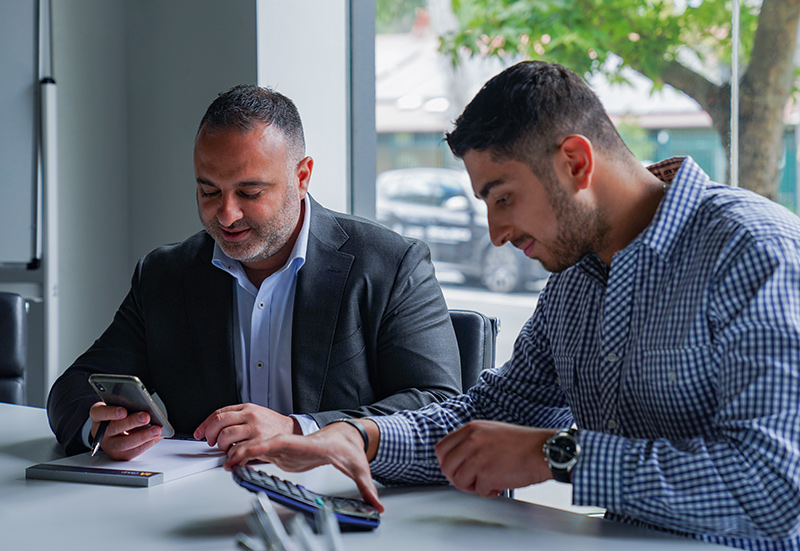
235 234
526 247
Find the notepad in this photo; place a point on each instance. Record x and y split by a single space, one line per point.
168 460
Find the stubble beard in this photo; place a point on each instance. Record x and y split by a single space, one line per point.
265 239
581 230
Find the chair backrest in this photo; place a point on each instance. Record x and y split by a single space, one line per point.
13 347
476 335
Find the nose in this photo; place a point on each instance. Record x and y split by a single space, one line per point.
229 211
499 231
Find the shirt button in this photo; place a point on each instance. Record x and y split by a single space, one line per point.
612 424
672 376
260 305
612 357
260 365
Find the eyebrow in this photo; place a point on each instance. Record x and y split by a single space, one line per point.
248 183
487 187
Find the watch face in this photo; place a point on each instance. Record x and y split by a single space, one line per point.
561 451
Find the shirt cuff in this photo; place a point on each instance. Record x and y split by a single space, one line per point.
307 423
85 431
597 476
394 450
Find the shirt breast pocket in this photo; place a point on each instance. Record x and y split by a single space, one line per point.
567 374
676 387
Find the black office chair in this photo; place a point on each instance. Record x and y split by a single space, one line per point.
13 347
476 335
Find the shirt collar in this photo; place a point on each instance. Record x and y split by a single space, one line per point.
686 183
297 257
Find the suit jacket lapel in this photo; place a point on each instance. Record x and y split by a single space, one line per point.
209 309
320 290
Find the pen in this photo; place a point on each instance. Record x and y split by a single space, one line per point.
98 437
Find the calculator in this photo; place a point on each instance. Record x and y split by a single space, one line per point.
352 514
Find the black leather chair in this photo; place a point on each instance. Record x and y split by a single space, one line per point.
13 347
476 335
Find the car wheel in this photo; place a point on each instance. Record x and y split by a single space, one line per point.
501 270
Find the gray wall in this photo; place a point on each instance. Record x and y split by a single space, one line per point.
134 78
181 54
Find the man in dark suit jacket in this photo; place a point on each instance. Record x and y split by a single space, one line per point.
370 332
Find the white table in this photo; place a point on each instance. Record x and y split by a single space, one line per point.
206 510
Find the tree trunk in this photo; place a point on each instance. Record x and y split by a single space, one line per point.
763 91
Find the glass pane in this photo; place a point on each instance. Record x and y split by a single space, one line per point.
422 190
664 77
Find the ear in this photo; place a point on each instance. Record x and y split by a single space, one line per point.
577 157
303 175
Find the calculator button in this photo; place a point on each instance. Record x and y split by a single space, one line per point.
310 496
280 484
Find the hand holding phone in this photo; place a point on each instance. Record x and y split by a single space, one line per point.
129 392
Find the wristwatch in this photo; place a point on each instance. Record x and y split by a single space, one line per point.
561 451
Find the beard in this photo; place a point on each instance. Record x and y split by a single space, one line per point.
581 229
265 238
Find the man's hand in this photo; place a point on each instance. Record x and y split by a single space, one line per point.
338 444
242 423
127 435
487 457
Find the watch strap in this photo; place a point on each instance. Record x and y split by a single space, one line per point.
353 423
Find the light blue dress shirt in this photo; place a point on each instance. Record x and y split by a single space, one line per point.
263 329
262 344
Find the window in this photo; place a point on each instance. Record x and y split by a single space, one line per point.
419 93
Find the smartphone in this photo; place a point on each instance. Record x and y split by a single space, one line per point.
129 392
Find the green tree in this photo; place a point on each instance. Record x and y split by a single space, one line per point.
687 47
396 16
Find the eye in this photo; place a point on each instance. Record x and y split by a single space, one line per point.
207 195
502 200
249 195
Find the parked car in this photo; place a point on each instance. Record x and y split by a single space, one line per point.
438 206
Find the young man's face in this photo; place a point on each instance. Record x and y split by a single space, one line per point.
540 217
248 191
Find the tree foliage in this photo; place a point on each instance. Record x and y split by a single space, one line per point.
395 16
684 44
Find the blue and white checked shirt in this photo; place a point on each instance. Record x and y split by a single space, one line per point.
680 365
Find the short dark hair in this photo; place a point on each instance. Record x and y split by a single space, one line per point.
525 112
246 105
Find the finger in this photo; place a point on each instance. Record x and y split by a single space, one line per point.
366 487
245 452
461 463
127 446
128 454
233 434
452 458
214 423
454 439
101 412
464 477
128 423
484 488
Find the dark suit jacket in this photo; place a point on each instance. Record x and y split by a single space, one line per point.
371 332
